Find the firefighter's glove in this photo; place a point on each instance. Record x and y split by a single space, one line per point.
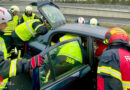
37 61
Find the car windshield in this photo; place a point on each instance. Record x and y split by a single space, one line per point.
53 15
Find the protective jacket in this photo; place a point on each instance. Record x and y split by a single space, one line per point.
113 69
10 68
11 25
29 29
25 17
72 50
100 48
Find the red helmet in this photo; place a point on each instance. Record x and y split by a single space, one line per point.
116 35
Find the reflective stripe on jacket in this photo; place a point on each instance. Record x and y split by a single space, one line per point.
3 47
71 49
113 70
12 71
26 18
15 69
11 25
25 30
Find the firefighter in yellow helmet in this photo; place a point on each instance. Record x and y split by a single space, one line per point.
15 70
28 15
12 24
93 21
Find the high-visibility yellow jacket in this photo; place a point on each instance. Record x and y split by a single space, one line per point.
10 68
71 50
25 30
26 18
11 25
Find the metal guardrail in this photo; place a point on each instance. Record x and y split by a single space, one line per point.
91 9
96 6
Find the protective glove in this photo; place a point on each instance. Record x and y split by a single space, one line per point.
37 61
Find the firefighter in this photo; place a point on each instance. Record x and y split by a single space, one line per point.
71 52
11 26
67 55
26 31
93 21
114 65
80 20
28 15
9 69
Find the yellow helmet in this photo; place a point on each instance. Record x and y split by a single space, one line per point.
93 21
28 8
14 8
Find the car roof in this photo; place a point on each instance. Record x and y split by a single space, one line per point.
84 29
80 29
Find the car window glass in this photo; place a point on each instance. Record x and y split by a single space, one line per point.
44 73
54 16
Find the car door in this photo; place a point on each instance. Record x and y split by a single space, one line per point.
51 13
56 73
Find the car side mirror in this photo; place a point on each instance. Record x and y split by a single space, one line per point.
84 71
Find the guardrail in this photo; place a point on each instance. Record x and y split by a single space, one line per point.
98 12
69 9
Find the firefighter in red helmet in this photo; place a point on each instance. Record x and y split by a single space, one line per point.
114 66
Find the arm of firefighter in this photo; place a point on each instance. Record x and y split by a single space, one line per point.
39 28
11 68
21 20
36 17
14 67
109 75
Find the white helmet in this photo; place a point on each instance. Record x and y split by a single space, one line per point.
28 8
14 8
93 21
81 20
5 16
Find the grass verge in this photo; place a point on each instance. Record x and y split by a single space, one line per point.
126 28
